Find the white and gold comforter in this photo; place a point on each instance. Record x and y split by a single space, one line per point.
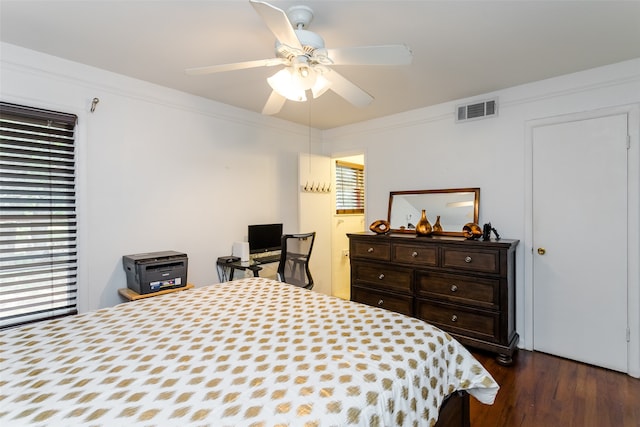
252 352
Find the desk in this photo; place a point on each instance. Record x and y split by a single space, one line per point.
131 295
226 269
224 266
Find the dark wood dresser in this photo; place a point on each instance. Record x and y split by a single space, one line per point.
464 287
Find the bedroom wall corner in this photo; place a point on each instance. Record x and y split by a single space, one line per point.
430 151
159 169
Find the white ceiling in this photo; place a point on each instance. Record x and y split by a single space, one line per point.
461 48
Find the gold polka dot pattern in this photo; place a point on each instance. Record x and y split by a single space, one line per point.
252 352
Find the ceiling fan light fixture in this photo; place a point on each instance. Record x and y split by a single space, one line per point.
302 75
284 82
307 62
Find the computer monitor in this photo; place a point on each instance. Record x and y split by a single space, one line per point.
264 238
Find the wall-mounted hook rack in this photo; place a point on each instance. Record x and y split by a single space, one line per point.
317 187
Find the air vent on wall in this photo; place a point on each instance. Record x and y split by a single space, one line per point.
477 110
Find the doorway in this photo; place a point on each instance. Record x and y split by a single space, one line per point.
578 233
342 224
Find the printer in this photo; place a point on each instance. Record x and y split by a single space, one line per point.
155 271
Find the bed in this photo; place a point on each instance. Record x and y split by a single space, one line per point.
252 352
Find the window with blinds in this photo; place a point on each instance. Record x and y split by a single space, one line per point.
38 255
349 188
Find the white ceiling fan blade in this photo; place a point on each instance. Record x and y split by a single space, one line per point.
274 103
348 90
277 21
394 54
321 86
235 66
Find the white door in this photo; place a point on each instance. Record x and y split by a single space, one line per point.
579 240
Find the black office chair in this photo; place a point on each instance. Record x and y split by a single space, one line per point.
294 259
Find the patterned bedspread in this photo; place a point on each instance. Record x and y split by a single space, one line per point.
252 352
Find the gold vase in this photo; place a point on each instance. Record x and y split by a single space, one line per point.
423 227
380 226
437 227
471 231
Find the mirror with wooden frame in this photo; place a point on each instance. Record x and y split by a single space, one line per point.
456 207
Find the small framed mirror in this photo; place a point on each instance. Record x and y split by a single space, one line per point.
455 207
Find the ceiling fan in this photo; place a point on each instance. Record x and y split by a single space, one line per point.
307 63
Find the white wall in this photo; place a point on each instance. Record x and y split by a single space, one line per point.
426 149
314 209
159 169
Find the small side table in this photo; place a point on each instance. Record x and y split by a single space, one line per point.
131 295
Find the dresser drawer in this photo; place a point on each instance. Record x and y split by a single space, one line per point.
414 254
370 250
461 286
468 322
399 304
382 276
458 288
471 260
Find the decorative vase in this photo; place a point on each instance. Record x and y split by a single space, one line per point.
380 226
471 231
437 227
423 227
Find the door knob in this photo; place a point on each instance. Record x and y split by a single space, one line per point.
542 251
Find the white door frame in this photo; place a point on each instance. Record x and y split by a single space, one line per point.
633 224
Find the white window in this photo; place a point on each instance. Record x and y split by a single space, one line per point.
349 188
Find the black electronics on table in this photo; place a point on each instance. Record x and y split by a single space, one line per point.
264 238
155 271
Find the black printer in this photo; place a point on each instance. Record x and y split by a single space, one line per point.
155 271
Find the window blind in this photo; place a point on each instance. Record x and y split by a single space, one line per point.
38 255
349 188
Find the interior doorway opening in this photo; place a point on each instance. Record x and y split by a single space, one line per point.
341 225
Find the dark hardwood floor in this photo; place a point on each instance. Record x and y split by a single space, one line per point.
540 390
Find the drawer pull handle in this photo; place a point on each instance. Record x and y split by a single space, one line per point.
468 259
414 254
370 250
381 276
454 318
381 302
454 288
